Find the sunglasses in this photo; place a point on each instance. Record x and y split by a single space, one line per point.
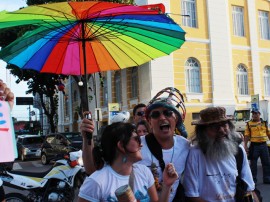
137 139
141 113
156 114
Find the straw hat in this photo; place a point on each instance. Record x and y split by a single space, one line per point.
211 115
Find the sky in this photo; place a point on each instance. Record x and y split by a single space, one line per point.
19 112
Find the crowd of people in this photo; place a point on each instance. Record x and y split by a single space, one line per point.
138 155
151 159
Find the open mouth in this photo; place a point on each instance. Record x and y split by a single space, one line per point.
164 126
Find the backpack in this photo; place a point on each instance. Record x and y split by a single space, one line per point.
156 150
241 187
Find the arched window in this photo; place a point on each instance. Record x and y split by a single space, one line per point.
134 82
266 76
193 76
117 79
105 92
242 80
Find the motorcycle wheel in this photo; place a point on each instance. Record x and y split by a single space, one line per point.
15 197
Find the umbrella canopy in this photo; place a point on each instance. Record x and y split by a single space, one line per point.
77 38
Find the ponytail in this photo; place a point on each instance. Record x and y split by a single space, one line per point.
98 157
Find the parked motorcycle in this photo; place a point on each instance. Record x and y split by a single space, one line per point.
57 184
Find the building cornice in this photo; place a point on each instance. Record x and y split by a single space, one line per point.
198 40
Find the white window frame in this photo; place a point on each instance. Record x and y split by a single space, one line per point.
134 82
242 80
238 21
193 76
266 77
264 25
189 8
118 94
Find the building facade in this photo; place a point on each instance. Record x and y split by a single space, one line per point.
225 60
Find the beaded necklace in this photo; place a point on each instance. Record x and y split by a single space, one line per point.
154 170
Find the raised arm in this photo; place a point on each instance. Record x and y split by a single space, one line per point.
169 177
88 162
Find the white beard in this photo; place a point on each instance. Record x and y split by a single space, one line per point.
218 149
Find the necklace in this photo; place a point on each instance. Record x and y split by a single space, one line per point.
154 169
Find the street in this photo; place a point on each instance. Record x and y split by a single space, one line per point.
36 166
264 188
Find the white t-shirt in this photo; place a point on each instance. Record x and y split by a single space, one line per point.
101 185
176 155
214 181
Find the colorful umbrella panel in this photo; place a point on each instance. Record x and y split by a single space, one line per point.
73 37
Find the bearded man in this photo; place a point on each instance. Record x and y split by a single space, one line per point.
211 169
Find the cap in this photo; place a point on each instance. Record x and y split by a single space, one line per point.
170 98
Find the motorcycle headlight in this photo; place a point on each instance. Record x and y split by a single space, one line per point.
61 185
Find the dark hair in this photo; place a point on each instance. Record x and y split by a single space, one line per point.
137 107
111 135
144 123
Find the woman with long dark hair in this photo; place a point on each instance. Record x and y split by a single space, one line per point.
115 159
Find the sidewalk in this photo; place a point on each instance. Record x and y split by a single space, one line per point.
264 188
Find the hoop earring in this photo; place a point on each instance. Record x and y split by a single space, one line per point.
124 159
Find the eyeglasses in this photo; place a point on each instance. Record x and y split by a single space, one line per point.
141 113
156 114
137 139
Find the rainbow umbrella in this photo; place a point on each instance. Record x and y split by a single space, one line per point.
80 38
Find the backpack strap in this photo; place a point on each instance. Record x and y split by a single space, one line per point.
155 149
239 161
266 126
249 128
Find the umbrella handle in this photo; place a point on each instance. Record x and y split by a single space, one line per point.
89 135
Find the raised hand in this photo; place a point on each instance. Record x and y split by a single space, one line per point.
6 94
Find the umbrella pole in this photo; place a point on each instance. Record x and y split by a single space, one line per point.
86 107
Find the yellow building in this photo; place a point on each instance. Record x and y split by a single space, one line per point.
225 60
226 56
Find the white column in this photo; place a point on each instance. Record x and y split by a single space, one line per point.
253 28
220 52
109 86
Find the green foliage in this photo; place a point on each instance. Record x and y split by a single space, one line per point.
45 85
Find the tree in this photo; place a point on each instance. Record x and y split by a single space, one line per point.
42 84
